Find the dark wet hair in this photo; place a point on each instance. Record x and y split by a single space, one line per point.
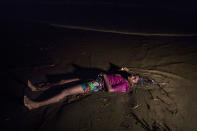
144 81
125 74
140 81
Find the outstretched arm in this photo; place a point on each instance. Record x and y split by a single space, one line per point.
67 81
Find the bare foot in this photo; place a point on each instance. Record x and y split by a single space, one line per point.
31 86
30 104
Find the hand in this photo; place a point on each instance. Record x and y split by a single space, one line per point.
124 69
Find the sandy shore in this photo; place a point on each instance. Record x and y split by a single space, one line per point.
43 51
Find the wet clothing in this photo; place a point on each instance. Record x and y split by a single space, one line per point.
118 83
94 85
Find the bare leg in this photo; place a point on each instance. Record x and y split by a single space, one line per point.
71 91
69 80
34 88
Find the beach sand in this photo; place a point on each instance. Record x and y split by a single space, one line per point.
38 51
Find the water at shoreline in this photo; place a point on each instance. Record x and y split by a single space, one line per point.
151 17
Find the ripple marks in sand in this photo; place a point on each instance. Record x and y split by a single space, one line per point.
146 72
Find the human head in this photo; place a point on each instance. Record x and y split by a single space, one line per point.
133 79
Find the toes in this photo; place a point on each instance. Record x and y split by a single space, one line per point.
31 86
25 100
26 103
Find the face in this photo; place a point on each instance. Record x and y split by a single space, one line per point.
133 79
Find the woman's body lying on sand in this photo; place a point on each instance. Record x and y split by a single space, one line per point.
112 82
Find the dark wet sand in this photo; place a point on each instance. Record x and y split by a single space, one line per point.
30 52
